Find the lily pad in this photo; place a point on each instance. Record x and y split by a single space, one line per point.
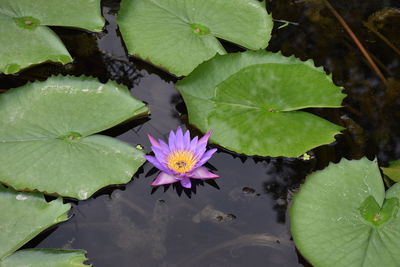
25 38
45 258
179 35
253 102
342 217
24 215
45 141
393 171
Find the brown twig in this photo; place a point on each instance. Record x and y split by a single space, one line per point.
357 42
380 64
376 60
380 35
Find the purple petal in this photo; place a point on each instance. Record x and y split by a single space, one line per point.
171 141
186 183
204 139
193 144
164 146
156 163
200 150
153 141
179 144
203 173
160 154
164 178
186 140
206 157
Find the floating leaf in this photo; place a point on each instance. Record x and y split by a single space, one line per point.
393 171
341 217
252 102
45 142
179 35
26 40
45 258
24 215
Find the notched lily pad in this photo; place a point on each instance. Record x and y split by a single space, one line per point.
46 140
23 216
45 258
343 217
26 40
179 35
253 102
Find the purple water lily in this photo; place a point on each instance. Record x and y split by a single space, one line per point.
181 159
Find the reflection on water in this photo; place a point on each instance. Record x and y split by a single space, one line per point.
235 225
370 104
235 222
241 218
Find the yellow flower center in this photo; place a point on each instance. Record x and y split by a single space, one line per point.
181 161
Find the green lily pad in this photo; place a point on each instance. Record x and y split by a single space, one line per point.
45 141
26 40
342 217
393 171
252 101
179 35
45 258
24 215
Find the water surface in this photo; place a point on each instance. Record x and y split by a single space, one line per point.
241 219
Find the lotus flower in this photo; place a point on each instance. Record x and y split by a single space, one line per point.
181 159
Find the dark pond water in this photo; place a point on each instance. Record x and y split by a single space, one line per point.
240 219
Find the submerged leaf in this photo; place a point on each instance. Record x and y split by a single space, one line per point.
179 35
45 142
24 215
25 38
252 101
342 217
393 171
45 258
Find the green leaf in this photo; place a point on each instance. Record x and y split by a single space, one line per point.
393 191
44 138
342 217
252 102
26 40
45 258
24 215
393 171
178 35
